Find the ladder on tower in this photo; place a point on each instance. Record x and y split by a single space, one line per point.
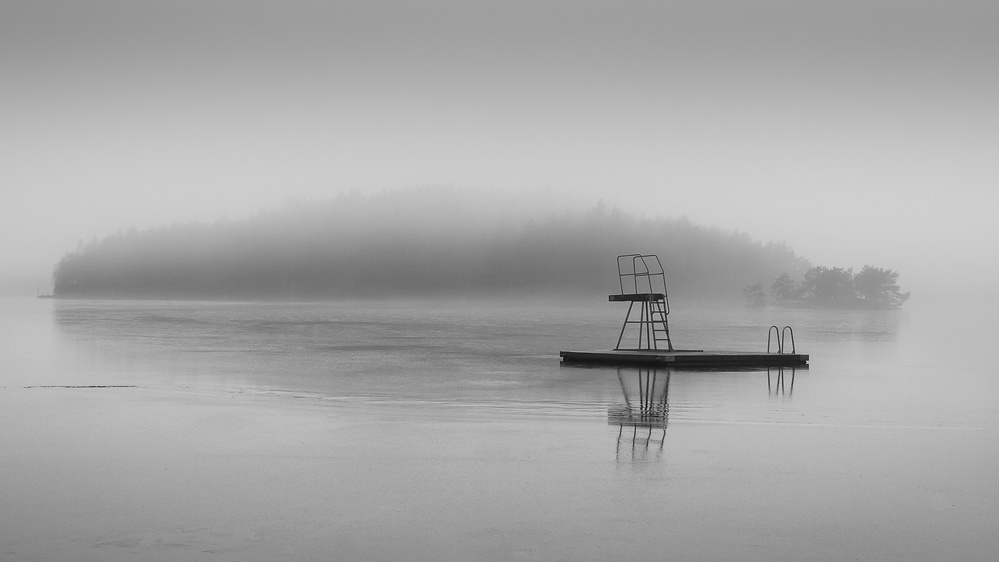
642 280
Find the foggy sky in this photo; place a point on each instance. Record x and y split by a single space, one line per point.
856 131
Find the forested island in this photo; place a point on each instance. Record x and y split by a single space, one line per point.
411 243
871 287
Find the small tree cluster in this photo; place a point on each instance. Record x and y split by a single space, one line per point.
872 287
879 285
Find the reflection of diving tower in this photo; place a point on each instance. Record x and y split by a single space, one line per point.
649 409
642 280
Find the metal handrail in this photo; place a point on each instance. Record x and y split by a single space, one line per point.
654 276
634 266
787 330
781 337
774 330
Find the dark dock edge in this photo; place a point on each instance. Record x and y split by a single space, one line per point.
691 359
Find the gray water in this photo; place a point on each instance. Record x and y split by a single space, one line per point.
443 430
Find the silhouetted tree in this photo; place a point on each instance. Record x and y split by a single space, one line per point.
827 285
755 295
879 285
784 288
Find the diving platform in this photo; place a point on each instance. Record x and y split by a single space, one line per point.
642 282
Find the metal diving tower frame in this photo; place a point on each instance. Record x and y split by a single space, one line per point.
642 280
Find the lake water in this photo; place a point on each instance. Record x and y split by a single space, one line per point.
438 430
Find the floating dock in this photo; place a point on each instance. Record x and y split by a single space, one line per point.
694 359
642 281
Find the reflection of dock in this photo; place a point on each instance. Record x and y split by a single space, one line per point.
642 281
779 384
648 410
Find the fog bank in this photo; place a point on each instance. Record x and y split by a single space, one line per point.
416 242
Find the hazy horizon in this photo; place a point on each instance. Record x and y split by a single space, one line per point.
244 366
855 132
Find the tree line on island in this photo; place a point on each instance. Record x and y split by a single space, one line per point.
423 242
871 287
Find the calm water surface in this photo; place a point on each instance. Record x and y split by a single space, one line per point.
450 430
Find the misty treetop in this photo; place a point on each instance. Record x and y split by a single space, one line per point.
871 287
414 242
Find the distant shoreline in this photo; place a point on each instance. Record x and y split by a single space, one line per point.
858 304
410 246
